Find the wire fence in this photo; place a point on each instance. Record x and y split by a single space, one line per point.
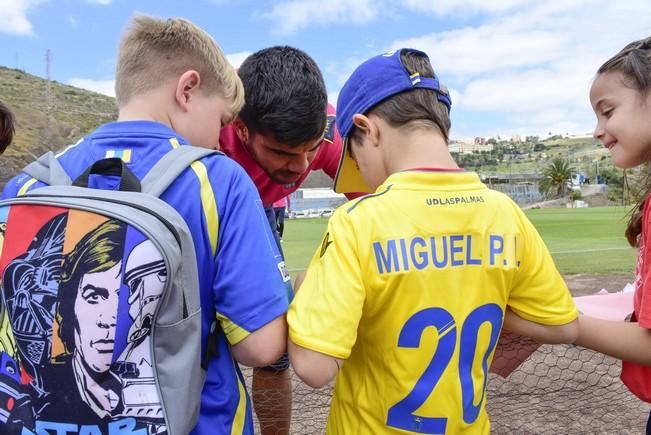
559 389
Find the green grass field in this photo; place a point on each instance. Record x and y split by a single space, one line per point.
586 240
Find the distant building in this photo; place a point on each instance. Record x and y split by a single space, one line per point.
580 136
317 200
455 147
469 146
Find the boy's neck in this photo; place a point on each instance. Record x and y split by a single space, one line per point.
147 107
418 149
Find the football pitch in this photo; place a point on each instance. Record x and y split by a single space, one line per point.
584 240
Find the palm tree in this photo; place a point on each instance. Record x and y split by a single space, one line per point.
556 177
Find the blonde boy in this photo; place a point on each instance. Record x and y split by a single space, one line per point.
175 88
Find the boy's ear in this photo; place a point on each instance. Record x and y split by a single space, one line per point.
241 130
368 127
186 86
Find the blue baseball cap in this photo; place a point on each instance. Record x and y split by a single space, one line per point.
372 82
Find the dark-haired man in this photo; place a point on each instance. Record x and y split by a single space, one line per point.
285 130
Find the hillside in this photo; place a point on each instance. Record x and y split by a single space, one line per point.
532 155
74 112
586 155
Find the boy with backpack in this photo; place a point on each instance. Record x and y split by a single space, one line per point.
123 312
405 299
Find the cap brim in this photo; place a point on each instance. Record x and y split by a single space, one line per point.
349 179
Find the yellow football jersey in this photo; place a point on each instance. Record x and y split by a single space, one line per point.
409 286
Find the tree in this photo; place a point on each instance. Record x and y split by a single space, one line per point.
532 139
556 178
625 186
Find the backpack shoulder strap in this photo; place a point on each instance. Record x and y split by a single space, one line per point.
48 170
157 180
168 168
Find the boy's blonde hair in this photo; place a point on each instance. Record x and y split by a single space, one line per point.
153 51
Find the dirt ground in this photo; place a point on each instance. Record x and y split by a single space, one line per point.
583 284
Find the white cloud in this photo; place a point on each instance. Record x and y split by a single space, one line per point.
13 16
473 51
456 97
72 21
99 2
340 71
443 7
524 92
294 15
106 87
236 59
536 65
531 63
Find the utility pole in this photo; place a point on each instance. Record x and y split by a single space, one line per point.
49 98
511 149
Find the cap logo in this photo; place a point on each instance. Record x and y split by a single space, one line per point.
415 78
329 133
389 53
325 244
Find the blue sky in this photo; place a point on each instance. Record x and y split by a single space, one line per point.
513 66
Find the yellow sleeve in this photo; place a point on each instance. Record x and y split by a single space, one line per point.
539 293
326 310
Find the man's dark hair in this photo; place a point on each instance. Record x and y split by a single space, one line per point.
285 95
416 108
7 127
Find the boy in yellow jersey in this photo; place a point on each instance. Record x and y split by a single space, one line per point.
406 297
